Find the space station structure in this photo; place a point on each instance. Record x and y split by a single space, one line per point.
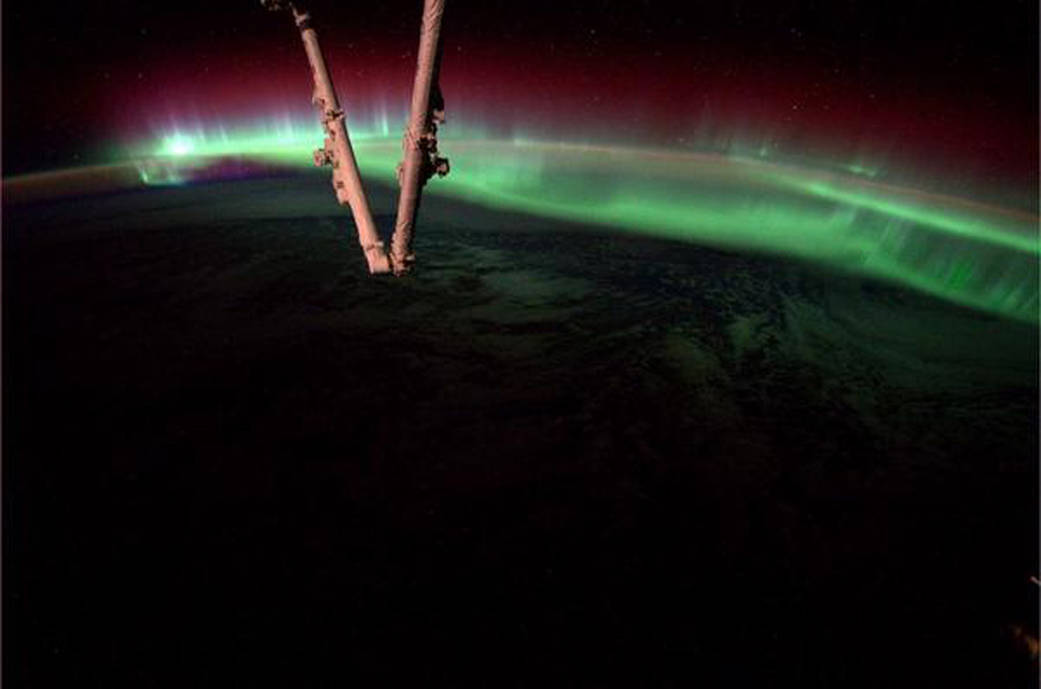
420 158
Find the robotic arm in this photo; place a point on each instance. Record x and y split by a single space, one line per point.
420 156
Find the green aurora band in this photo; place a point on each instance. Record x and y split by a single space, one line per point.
970 253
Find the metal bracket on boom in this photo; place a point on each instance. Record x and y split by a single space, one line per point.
322 157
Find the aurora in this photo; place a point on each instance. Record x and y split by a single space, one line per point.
841 215
619 343
970 253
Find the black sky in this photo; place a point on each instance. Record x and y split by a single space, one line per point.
56 56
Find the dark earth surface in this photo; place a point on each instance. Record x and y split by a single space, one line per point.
553 456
